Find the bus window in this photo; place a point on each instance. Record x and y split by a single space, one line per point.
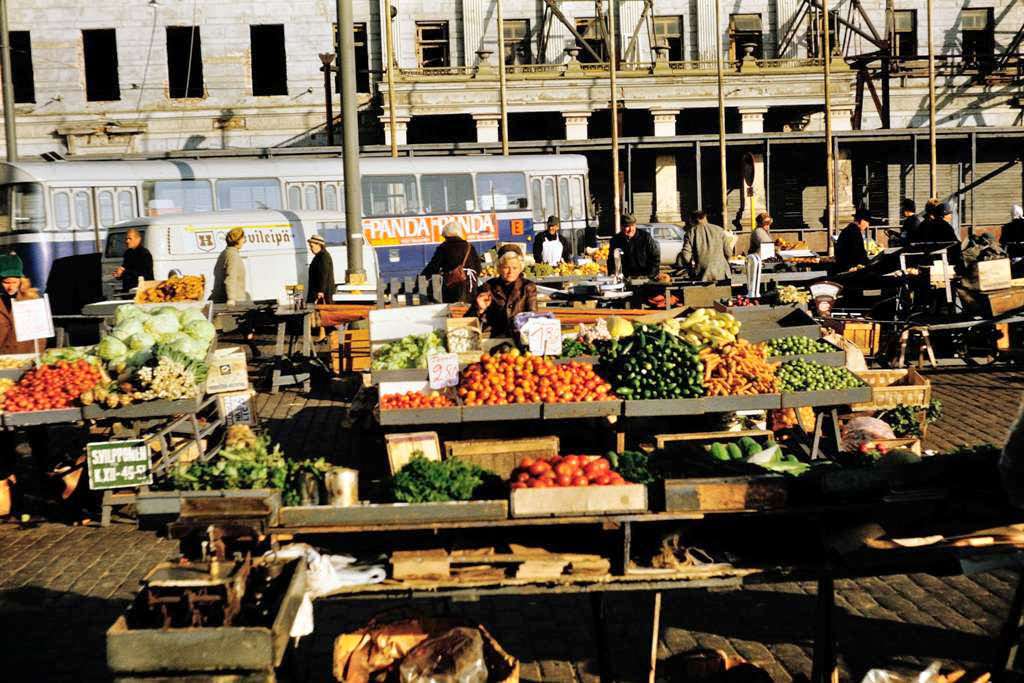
83 209
564 208
187 196
576 198
62 210
126 205
538 200
501 191
312 197
390 195
330 198
333 232
447 193
105 203
21 207
249 193
550 207
294 197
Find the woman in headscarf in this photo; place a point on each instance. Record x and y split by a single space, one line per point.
501 298
458 263
15 287
1013 232
229 271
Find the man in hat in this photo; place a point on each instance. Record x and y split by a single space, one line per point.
229 271
937 230
911 221
639 255
15 287
458 263
850 251
320 284
553 243
136 263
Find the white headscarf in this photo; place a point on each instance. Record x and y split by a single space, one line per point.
452 230
1017 212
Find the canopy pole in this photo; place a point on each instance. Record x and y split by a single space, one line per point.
10 134
354 273
612 59
934 185
724 179
389 49
831 216
501 81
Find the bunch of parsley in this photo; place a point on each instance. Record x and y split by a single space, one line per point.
427 481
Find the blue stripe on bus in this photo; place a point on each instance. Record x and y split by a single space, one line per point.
38 257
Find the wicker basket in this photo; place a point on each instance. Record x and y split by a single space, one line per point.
890 388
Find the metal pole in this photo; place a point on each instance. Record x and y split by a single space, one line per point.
830 185
612 57
934 186
721 116
389 71
501 81
327 58
7 84
354 273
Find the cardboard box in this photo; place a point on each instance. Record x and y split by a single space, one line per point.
402 446
238 407
579 501
988 276
229 371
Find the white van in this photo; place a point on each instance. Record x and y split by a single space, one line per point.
275 250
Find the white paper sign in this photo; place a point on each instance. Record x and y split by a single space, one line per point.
767 250
32 319
237 408
443 370
544 336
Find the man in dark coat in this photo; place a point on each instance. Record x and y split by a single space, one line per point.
551 234
850 250
937 229
450 255
136 263
911 222
641 256
320 284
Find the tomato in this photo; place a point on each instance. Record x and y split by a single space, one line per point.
565 469
617 479
573 461
580 481
523 476
602 464
526 463
540 467
518 485
603 480
564 480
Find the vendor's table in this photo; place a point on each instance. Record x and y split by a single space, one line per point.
289 368
783 277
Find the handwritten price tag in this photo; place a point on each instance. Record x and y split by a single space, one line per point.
443 370
32 319
545 337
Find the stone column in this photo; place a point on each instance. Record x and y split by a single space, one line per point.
752 119
576 125
754 198
844 187
401 129
842 118
630 12
785 13
487 126
666 172
664 122
474 14
706 30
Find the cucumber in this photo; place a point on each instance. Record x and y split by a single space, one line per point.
734 452
749 446
718 452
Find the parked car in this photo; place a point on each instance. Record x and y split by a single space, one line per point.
669 238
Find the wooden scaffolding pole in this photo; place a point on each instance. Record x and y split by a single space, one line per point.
724 178
830 185
389 72
612 58
501 81
933 168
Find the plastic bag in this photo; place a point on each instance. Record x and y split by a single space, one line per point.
929 675
456 656
864 430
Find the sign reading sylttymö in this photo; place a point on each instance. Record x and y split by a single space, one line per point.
118 464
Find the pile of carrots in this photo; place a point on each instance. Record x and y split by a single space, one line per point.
738 369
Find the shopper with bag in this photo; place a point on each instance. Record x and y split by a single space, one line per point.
458 263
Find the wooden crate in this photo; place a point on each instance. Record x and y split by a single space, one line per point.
989 276
350 351
501 456
401 447
890 388
726 493
865 335
572 501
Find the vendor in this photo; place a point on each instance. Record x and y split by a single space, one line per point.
850 251
502 298
549 246
458 263
706 251
136 263
638 253
911 221
937 229
16 287
762 234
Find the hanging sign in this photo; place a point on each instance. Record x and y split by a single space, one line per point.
32 319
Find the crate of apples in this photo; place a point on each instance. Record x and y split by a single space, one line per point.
564 471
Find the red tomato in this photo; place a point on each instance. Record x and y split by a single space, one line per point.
564 480
565 469
523 476
603 480
580 481
540 467
518 485
526 463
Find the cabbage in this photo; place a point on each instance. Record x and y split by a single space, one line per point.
190 315
128 312
164 310
161 323
190 347
111 348
136 359
201 330
141 341
127 329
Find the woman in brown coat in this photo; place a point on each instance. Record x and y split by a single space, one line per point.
16 287
501 298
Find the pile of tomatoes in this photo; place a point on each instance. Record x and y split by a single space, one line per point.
568 470
52 387
414 399
514 377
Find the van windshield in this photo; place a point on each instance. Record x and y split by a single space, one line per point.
116 243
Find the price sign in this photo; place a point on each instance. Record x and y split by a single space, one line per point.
118 464
237 409
443 370
32 319
544 336
767 251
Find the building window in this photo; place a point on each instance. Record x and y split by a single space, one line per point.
745 33
814 37
668 31
184 62
978 37
906 32
593 34
362 57
432 44
21 67
517 41
100 50
269 66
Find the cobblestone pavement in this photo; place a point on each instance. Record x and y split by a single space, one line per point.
62 586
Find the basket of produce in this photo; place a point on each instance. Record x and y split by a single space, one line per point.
405 359
890 388
737 376
173 289
808 348
407 403
570 486
53 391
807 383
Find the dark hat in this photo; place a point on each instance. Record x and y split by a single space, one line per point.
553 220
510 246
235 235
939 210
909 205
862 215
316 239
627 219
10 266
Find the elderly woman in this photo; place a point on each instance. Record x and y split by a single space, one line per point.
501 298
229 271
16 287
458 263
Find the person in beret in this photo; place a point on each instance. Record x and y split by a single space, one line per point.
229 271
15 287
320 287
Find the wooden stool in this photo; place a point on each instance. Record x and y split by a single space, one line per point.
925 346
